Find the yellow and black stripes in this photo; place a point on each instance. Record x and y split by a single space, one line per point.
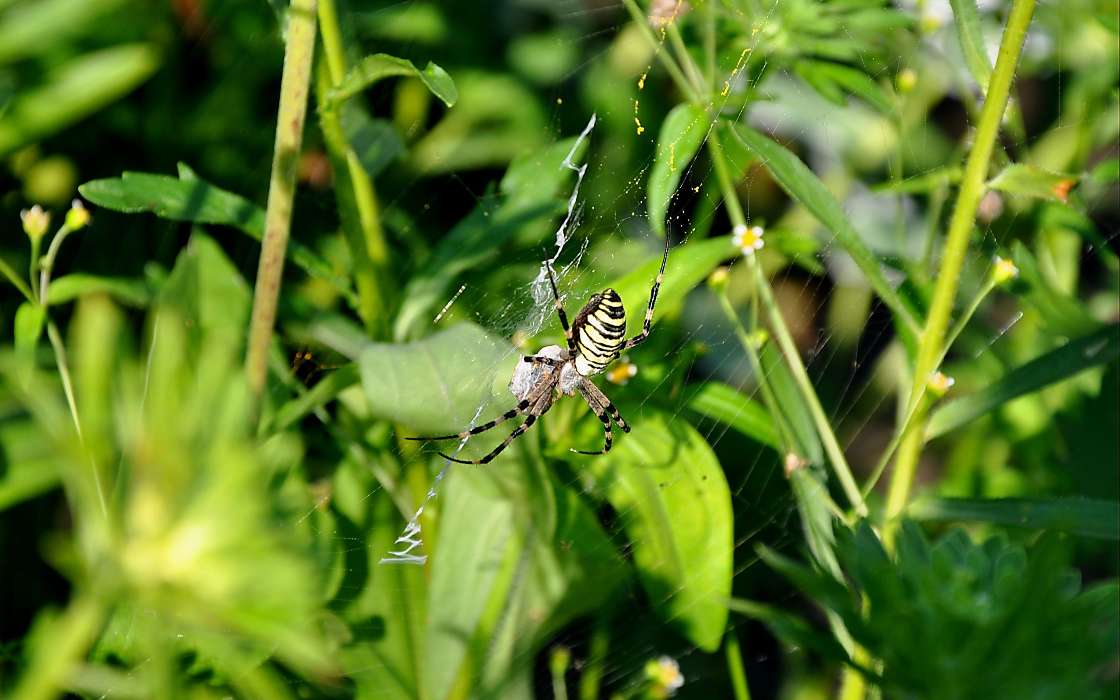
600 332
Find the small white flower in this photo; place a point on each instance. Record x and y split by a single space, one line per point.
1003 270
665 676
939 383
748 239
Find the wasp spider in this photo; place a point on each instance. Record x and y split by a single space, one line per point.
595 339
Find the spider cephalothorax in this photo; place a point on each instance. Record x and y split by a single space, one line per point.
595 339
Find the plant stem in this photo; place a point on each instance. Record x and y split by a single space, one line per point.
68 639
592 676
19 284
46 265
931 347
785 339
354 189
666 59
735 666
294 86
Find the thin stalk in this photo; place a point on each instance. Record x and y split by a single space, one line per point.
785 339
36 241
931 346
592 676
685 58
355 189
735 666
294 86
18 283
666 59
46 265
70 637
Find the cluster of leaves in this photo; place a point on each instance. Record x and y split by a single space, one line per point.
217 543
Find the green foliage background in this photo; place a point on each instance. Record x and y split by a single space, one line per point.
798 511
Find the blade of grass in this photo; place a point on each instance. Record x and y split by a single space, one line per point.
1088 517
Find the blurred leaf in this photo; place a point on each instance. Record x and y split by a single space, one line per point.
1063 314
379 66
29 323
416 22
437 384
671 495
926 182
971 37
317 396
1087 517
36 27
27 465
831 80
1032 181
1076 356
802 185
129 291
791 404
681 135
1107 171
208 292
792 630
375 141
74 90
728 406
810 490
190 198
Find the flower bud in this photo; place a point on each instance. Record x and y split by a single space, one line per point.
78 216
35 222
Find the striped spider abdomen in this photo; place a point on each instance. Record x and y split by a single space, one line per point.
599 332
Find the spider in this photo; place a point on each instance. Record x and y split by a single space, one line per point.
595 339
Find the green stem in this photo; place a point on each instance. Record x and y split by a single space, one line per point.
735 666
294 86
785 339
592 676
46 265
931 347
34 265
68 639
666 59
355 190
19 284
685 58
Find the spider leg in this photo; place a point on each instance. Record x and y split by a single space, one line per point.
652 301
601 412
519 408
605 402
560 309
533 359
529 420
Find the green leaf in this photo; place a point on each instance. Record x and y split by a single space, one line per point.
317 396
207 290
74 90
791 405
29 323
36 28
379 66
926 182
791 629
726 405
133 292
971 36
1076 356
190 198
1087 517
375 141
801 184
1032 181
832 79
682 133
675 505
29 466
437 384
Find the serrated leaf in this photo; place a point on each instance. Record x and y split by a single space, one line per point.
1088 517
681 136
74 90
675 506
971 37
726 405
436 385
1032 181
29 323
802 185
190 198
1091 350
379 66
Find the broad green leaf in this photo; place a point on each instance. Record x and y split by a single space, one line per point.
436 385
130 291
379 66
682 133
832 80
29 323
726 405
675 506
801 184
74 90
689 265
1032 181
38 27
1076 356
518 557
971 37
190 198
1087 517
207 291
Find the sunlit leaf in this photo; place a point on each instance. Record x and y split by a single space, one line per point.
1032 181
38 27
379 66
675 506
1076 356
1087 517
681 135
722 403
